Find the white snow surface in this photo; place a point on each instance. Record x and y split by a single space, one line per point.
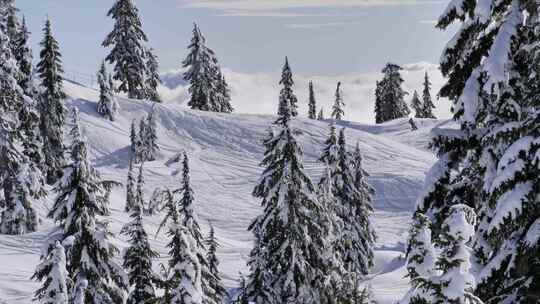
225 151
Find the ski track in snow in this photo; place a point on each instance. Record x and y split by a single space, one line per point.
225 151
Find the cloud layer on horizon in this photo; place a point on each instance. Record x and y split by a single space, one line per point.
258 93
277 8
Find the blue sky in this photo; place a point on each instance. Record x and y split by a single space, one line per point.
321 37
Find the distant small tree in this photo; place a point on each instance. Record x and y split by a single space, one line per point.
389 95
107 105
337 109
312 103
428 105
287 99
320 116
152 78
417 106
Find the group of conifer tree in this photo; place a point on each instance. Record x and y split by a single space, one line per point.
31 121
423 108
480 210
287 96
313 244
136 67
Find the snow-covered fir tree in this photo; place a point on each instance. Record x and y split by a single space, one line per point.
330 152
191 275
130 189
22 181
320 116
355 207
128 42
224 94
208 88
148 137
152 76
107 105
49 69
135 143
286 259
490 152
312 102
54 277
456 284
421 259
417 106
200 65
216 285
337 109
428 105
23 55
138 256
82 197
9 22
287 99
389 95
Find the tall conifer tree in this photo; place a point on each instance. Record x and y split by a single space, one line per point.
52 109
289 242
389 95
138 256
128 52
82 197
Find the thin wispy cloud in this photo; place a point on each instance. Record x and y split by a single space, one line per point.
277 8
312 26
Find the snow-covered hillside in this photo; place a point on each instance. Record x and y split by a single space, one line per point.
225 151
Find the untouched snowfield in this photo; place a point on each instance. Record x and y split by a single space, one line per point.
225 151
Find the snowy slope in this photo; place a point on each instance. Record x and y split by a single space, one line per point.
225 151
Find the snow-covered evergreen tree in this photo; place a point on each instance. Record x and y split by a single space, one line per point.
216 286
130 189
287 99
54 276
128 52
152 78
148 137
355 207
427 102
138 256
23 55
191 275
224 94
389 95
330 152
337 109
107 105
21 180
320 116
456 284
417 106
286 259
49 69
135 143
82 197
312 103
421 262
203 74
